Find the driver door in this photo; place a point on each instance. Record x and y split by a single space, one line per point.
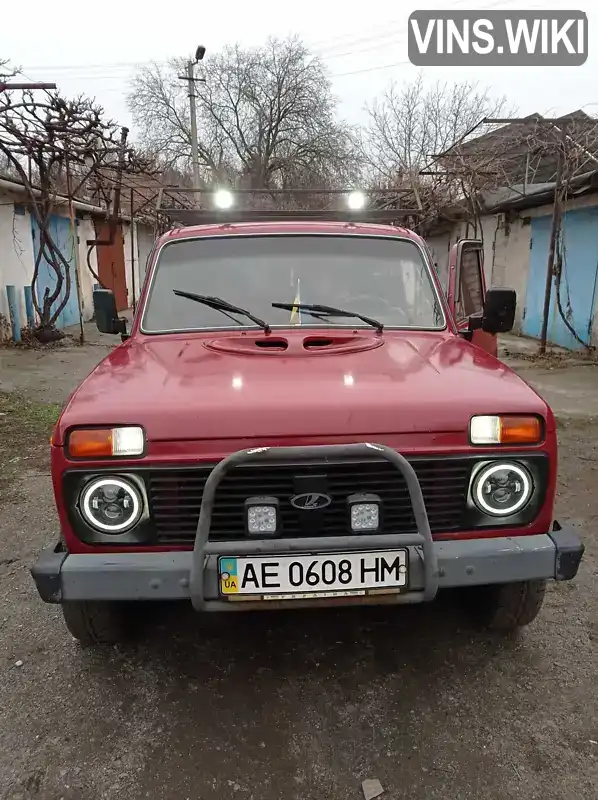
467 290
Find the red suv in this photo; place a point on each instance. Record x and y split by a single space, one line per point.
300 417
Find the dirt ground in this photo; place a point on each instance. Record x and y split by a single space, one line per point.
298 706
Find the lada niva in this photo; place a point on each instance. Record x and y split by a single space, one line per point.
301 416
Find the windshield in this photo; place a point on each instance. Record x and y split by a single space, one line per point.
383 277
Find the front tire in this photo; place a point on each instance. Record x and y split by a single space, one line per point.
510 606
96 623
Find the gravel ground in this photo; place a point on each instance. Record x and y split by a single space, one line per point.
300 706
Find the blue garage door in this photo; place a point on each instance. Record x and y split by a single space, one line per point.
60 231
578 283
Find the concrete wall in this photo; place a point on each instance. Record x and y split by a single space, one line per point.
506 254
512 252
511 259
440 245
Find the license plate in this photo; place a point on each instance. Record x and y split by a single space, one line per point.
297 576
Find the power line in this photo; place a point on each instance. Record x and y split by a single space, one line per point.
370 69
403 32
119 69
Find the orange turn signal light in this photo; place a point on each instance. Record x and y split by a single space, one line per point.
106 442
90 443
520 430
508 429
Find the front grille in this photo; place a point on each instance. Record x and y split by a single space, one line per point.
175 497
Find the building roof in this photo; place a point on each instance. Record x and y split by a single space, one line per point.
541 194
15 186
525 150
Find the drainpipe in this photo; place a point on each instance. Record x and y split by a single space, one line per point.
29 306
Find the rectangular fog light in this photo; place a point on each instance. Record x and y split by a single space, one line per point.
261 516
364 510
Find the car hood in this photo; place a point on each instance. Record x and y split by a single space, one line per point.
191 388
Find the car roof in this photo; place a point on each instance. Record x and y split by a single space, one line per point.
289 227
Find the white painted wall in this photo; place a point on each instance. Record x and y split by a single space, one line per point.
146 237
86 232
131 261
16 253
143 241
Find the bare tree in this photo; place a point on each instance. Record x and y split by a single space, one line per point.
266 117
410 125
6 70
54 146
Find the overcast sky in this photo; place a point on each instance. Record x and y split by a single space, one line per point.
94 48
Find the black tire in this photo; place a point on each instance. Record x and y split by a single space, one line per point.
94 623
510 606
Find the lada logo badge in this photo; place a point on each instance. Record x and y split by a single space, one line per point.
310 501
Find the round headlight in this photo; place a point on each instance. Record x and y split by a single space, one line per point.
111 505
502 489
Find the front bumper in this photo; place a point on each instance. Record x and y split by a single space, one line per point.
193 576
167 576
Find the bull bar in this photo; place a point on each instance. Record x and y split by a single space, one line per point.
203 547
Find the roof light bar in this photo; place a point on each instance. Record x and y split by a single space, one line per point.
356 201
223 199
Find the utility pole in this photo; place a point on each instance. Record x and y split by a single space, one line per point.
76 254
191 79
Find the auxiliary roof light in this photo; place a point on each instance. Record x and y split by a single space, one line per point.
262 516
356 201
364 512
223 199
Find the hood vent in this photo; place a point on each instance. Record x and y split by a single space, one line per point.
315 344
272 344
294 344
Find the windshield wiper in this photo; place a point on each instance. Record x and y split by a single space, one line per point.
218 304
329 311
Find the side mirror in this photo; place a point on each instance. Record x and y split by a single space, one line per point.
107 319
498 315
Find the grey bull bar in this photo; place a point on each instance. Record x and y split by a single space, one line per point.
204 548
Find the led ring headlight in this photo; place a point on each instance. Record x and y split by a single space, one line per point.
111 505
502 489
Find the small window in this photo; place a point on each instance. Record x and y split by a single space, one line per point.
470 298
19 210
